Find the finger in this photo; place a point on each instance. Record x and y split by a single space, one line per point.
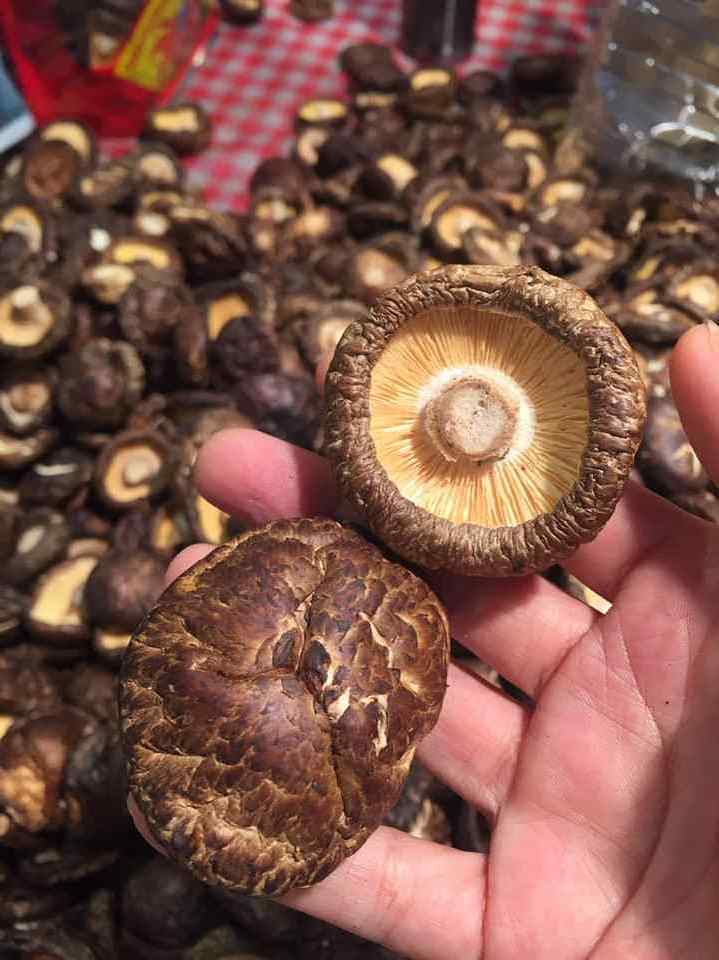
641 524
474 745
321 371
259 478
522 627
138 818
415 897
418 898
695 388
185 559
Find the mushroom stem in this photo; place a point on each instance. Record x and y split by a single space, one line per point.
138 470
472 420
27 306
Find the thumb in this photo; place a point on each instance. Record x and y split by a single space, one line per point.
694 374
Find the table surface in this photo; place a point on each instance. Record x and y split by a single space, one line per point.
252 79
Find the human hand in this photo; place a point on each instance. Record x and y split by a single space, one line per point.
604 800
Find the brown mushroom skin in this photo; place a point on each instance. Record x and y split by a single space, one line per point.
272 700
616 419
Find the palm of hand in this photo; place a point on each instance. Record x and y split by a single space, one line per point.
604 801
605 842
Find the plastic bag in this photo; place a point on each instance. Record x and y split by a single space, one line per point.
82 59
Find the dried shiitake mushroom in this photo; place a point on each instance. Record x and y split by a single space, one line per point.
213 244
646 317
26 401
368 219
308 143
379 264
294 654
387 176
696 290
320 332
134 466
75 134
245 346
312 10
52 480
100 384
169 530
271 205
28 686
484 420
18 452
245 295
667 459
108 185
322 112
29 221
142 251
13 606
426 194
457 214
185 127
55 615
315 226
430 93
108 282
34 319
371 66
165 905
155 166
284 405
50 168
492 248
9 516
122 587
33 756
159 316
151 223
207 522
242 12
41 537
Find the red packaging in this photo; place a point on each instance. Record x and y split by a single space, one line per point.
113 94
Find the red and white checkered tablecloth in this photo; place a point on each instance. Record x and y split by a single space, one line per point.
252 79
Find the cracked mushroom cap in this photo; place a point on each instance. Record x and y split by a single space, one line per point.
271 703
484 419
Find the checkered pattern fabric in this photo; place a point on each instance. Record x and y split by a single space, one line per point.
252 79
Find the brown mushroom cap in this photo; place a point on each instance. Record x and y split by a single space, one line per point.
484 419
272 701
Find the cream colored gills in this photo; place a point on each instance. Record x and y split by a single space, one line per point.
701 290
441 346
59 599
212 521
224 309
24 318
131 472
177 120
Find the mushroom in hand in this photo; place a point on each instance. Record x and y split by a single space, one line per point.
484 419
272 701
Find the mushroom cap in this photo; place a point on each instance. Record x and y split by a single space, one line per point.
272 700
550 351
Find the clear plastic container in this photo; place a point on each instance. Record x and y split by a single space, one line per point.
649 99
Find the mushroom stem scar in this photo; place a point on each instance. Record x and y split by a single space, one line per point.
472 419
27 306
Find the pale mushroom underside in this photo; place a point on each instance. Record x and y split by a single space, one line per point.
546 377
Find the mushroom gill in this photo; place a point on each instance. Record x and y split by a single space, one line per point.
479 416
